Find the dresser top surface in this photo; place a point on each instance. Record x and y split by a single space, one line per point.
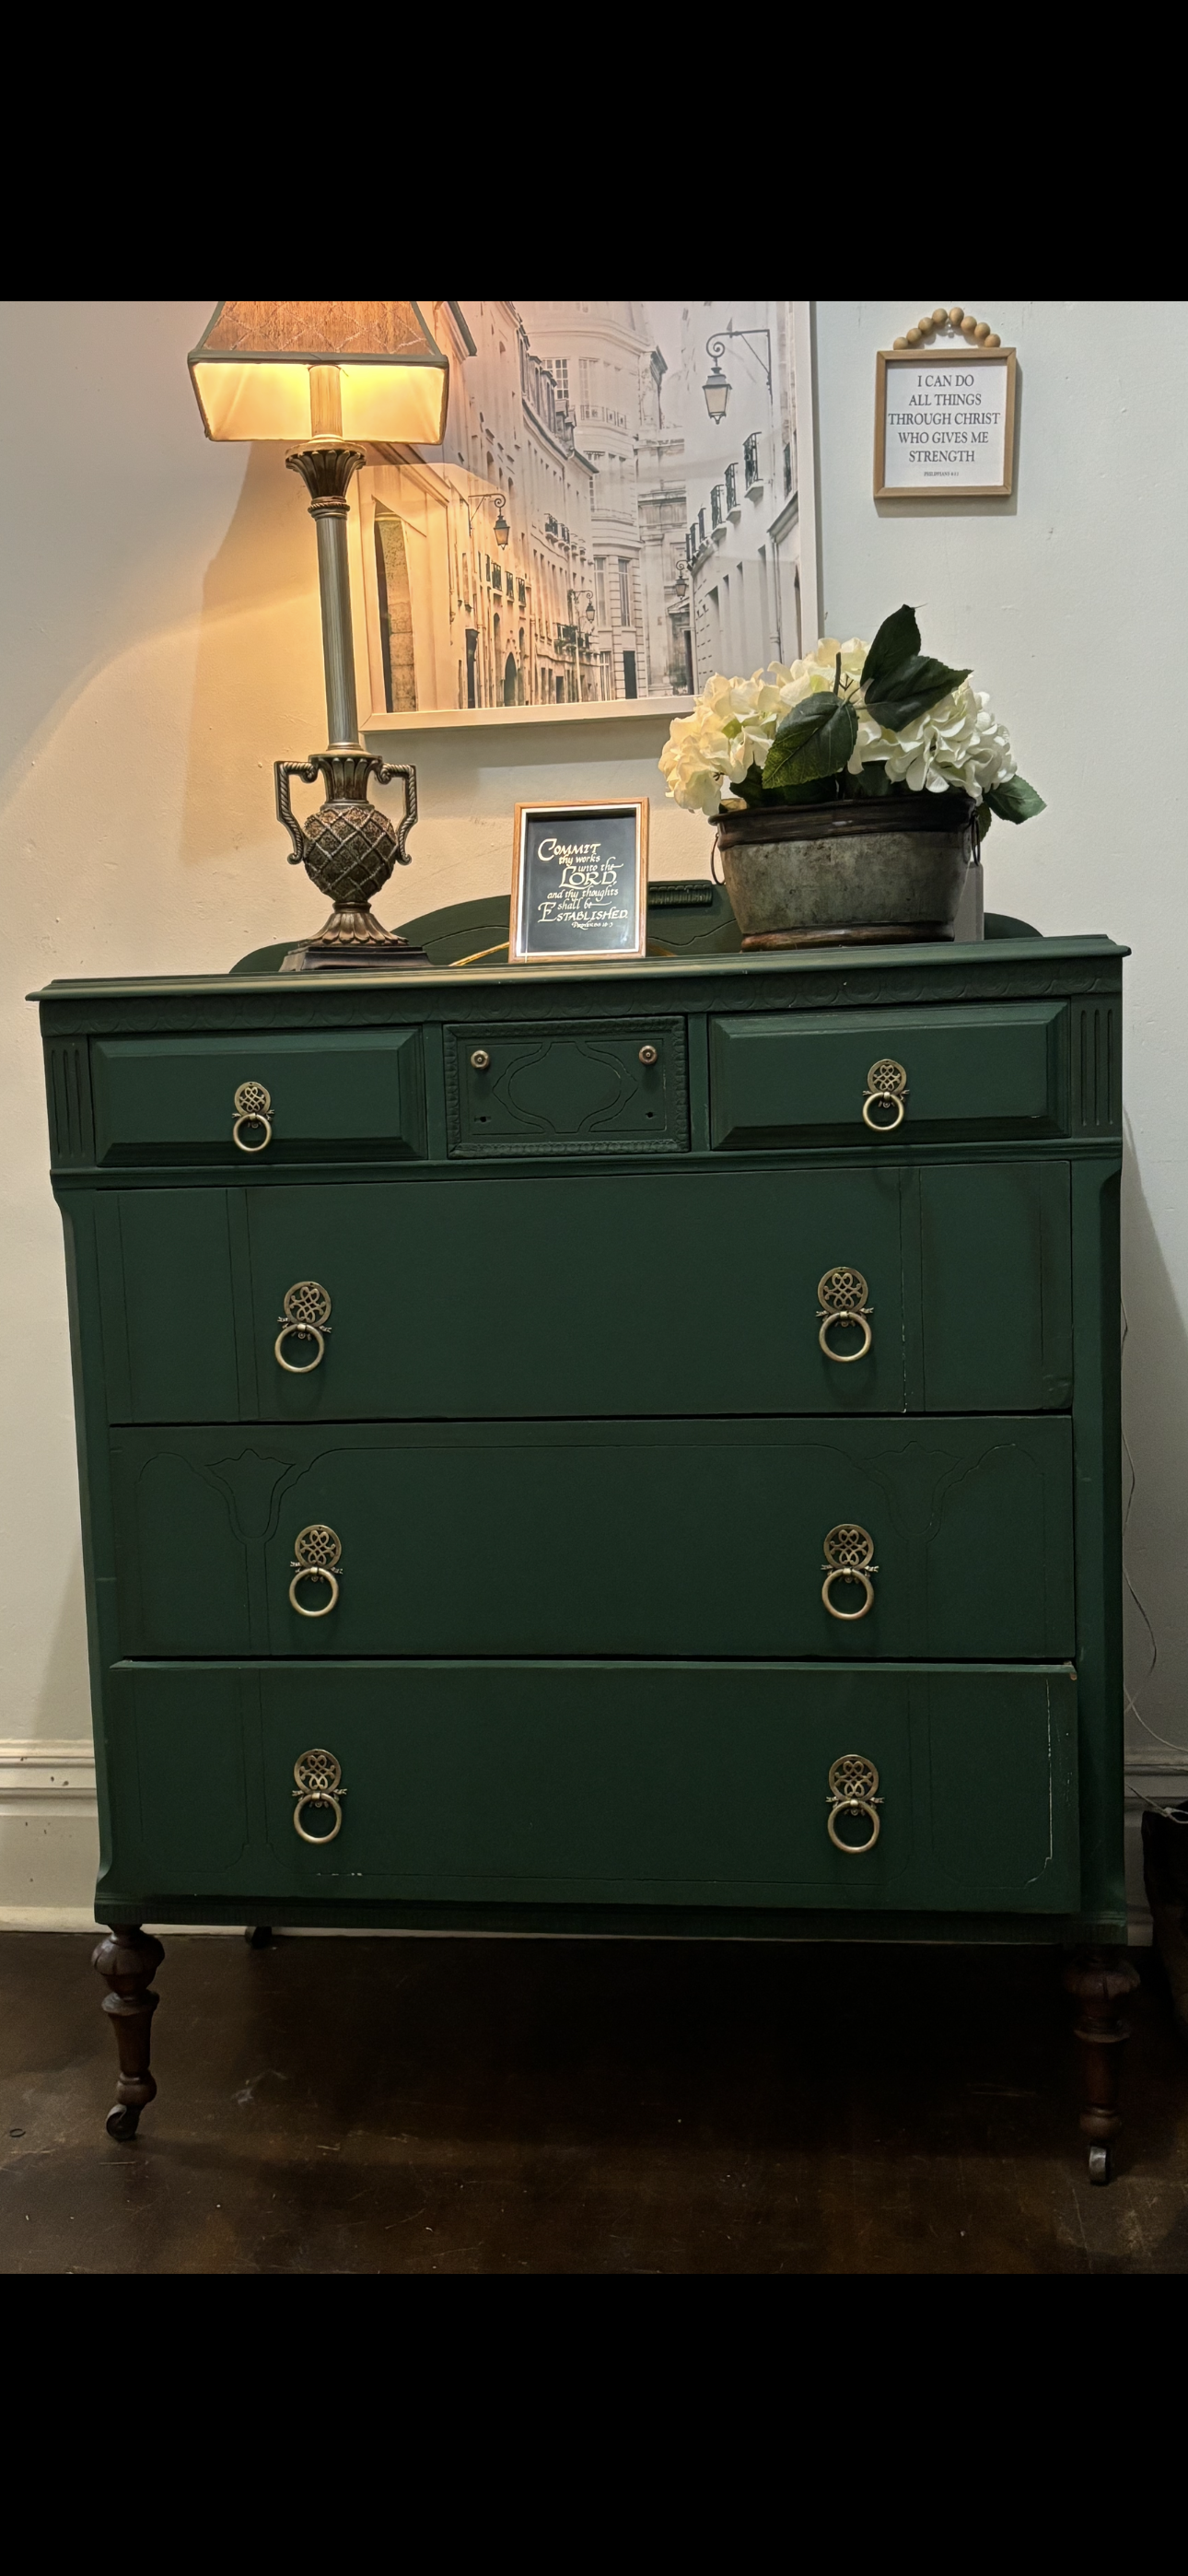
786 976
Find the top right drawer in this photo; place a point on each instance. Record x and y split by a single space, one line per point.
859 1077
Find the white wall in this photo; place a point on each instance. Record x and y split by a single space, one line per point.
1071 603
159 647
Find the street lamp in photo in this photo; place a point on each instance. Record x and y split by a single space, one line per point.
717 387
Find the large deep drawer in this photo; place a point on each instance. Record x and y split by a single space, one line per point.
345 1094
643 1292
534 1783
985 1072
670 1538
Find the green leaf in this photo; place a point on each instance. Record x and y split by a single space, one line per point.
815 791
813 741
751 786
897 642
983 819
1014 800
910 691
871 780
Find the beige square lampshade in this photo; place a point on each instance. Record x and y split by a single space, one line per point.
333 371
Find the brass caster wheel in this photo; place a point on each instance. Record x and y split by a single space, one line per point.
123 2123
1101 2165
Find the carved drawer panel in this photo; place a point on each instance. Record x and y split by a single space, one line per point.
605 1088
864 1538
709 1784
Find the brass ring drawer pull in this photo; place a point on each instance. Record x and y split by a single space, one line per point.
841 1299
853 1791
307 1309
648 1055
319 1784
480 1059
316 1552
253 1103
849 1558
886 1088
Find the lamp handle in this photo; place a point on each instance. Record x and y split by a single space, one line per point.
385 771
284 770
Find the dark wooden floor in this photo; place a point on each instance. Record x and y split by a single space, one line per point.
579 2107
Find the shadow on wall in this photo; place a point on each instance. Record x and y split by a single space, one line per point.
63 1706
1155 1419
258 691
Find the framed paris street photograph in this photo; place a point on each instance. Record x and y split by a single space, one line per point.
620 506
579 881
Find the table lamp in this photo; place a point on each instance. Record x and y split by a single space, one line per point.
321 376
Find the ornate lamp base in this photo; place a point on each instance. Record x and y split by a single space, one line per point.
350 850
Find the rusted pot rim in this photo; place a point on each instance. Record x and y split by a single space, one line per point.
850 814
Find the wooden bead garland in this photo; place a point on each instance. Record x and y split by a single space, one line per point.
978 334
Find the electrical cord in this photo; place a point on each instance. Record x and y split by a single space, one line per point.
1178 1812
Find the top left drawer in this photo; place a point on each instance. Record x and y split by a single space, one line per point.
256 1102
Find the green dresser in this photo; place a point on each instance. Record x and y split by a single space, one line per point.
624 1448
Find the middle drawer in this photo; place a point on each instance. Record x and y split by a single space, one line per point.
948 1538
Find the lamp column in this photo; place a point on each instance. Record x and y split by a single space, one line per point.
326 473
348 846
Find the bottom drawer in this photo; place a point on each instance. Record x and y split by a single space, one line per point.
609 1783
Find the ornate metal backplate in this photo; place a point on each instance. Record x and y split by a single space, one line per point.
318 1776
253 1100
316 1548
842 1293
886 1077
307 1304
849 1549
852 1777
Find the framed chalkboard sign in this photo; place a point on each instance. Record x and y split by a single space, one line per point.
579 881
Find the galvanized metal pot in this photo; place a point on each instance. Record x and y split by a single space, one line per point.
862 868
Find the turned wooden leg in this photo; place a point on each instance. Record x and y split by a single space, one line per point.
127 1961
1100 1980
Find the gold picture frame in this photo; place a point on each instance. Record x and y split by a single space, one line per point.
584 897
944 481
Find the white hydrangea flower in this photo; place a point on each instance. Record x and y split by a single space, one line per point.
958 743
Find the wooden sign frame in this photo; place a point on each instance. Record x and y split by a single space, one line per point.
948 356
584 846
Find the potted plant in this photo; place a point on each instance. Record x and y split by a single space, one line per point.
850 790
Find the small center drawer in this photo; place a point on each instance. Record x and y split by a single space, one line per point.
893 1077
606 1086
258 1101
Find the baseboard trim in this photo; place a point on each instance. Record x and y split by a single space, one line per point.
43 1774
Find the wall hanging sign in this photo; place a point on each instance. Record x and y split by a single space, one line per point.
945 412
579 881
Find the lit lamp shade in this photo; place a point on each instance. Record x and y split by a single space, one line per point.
323 371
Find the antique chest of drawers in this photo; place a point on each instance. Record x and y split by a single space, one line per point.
603 1448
